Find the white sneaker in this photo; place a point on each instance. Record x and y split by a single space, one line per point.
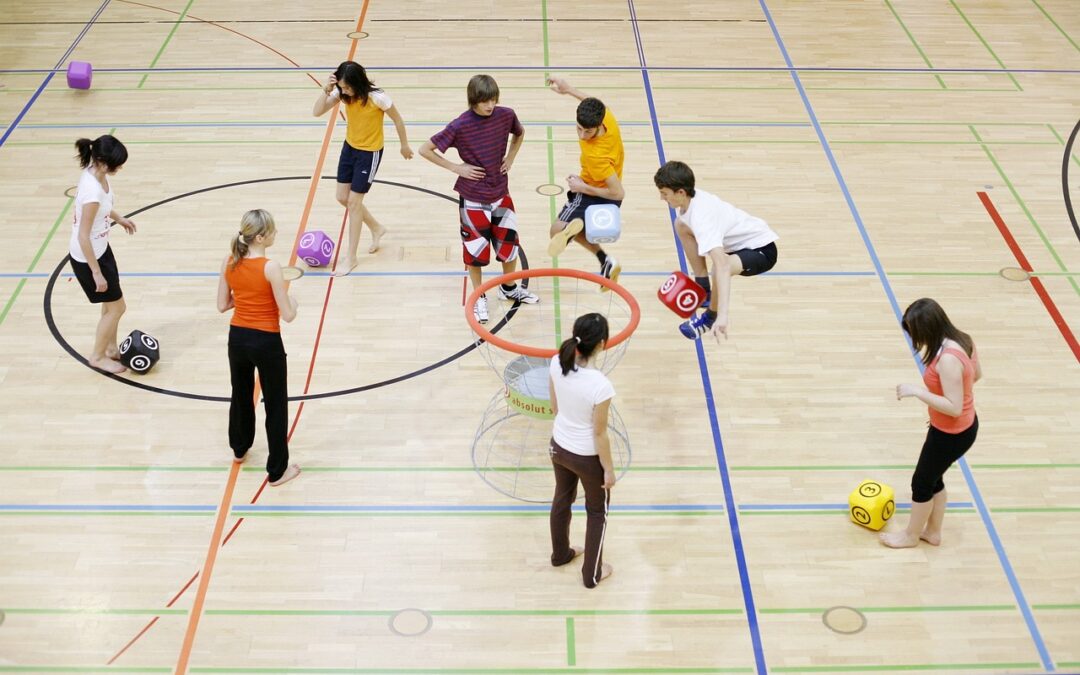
479 310
520 294
610 269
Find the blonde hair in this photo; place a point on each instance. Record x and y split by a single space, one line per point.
254 223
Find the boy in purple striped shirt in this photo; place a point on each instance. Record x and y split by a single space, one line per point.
488 221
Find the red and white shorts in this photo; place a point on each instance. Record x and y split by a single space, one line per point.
485 226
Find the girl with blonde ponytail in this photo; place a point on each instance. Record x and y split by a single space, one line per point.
580 448
252 286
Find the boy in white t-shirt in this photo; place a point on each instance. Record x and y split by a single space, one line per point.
736 242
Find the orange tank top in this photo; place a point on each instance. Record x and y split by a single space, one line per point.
941 421
254 298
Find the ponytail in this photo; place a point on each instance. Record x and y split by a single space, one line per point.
104 149
254 223
590 331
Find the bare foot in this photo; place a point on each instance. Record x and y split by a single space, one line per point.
108 365
112 353
343 268
932 539
606 571
899 539
376 237
292 472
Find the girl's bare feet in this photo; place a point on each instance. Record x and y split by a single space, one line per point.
112 353
376 237
932 539
606 571
899 539
344 267
292 472
108 365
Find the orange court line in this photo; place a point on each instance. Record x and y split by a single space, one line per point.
234 471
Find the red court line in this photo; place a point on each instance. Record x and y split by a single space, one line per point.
1036 283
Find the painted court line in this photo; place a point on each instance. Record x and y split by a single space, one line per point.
984 512
1036 284
714 424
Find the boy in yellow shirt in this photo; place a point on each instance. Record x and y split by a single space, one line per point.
600 181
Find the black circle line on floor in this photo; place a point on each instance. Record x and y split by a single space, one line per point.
51 322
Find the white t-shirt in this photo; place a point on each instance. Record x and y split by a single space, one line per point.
716 224
577 393
89 191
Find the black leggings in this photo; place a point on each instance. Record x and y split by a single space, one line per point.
939 452
250 349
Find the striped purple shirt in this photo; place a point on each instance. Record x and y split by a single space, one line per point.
481 141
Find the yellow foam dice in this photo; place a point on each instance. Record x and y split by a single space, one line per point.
871 504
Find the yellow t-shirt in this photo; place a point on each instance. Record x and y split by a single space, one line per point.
364 121
601 157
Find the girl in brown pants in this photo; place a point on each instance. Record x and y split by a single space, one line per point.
580 449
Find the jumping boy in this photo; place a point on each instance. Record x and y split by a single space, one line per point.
736 243
487 213
600 181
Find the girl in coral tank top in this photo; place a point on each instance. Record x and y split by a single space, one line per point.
952 368
252 286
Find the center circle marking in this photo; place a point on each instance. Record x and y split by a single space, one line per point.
410 622
844 620
51 321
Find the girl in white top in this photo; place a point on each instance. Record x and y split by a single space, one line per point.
91 256
737 243
580 448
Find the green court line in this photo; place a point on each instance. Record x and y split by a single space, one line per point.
37 257
470 469
468 671
1027 212
529 613
26 90
571 649
985 43
825 512
911 666
1060 29
168 38
1061 140
703 141
914 43
555 281
106 513
82 669
909 609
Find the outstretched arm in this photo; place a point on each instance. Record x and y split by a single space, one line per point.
561 86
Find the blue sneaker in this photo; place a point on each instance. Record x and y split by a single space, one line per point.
697 326
705 302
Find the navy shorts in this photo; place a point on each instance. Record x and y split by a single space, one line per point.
85 275
576 203
757 260
358 167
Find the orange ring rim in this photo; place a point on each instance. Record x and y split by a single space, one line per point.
526 350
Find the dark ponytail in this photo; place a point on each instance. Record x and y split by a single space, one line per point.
104 149
590 330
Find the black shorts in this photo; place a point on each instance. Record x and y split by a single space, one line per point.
757 261
358 167
576 203
85 275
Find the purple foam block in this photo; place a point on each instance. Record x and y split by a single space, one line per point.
79 74
316 249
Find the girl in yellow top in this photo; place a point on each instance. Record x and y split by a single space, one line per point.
365 105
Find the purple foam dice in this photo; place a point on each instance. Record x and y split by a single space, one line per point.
79 74
316 249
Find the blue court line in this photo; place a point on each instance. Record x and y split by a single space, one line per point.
241 125
633 69
980 504
710 404
354 273
51 73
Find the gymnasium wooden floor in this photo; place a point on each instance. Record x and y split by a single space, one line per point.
901 149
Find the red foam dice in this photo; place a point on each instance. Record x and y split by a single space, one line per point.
681 294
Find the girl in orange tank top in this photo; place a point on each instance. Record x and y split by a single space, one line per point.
253 287
952 368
